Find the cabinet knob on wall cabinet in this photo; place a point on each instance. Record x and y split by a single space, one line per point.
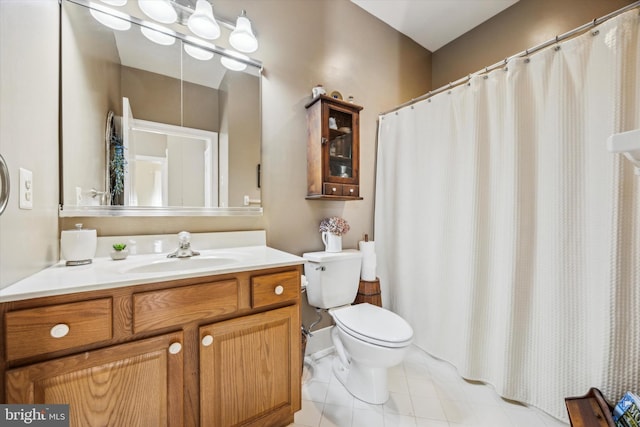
60 330
207 340
175 348
279 290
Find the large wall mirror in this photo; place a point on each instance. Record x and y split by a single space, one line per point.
154 127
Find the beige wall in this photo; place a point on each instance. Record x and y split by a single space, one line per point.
243 131
157 98
29 134
523 25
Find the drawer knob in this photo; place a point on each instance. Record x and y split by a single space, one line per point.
175 348
207 340
334 189
60 330
279 290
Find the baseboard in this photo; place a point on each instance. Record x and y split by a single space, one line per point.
319 345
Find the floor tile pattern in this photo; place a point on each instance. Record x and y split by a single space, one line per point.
424 392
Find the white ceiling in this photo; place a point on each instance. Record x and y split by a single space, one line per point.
434 23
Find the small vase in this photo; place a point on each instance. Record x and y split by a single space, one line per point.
332 242
118 255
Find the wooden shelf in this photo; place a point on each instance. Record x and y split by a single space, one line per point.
334 198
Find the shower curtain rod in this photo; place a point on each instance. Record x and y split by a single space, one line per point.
524 53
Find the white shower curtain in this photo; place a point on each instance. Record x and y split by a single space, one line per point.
507 235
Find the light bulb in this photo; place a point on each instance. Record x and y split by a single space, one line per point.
159 10
110 21
233 64
202 23
242 37
157 36
198 53
115 2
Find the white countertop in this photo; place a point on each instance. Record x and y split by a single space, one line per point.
105 273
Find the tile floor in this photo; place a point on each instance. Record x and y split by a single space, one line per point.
424 392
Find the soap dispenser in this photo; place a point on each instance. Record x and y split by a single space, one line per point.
78 246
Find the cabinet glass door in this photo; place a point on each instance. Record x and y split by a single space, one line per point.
340 144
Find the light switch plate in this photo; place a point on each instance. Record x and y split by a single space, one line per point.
26 189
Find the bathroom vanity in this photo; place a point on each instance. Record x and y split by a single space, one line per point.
217 344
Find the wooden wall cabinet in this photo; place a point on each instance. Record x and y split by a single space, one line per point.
333 149
213 351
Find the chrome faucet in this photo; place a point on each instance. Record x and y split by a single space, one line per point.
184 249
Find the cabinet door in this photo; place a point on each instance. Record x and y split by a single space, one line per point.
342 148
250 369
134 384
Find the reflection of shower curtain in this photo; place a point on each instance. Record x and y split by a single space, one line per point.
507 235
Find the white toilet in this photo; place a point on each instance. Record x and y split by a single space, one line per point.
368 339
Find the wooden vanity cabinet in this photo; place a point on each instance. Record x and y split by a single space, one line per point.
210 351
333 149
138 383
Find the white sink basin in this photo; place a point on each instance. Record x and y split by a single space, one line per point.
181 264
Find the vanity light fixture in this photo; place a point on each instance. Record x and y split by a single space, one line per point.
115 2
157 36
242 37
197 52
159 10
110 21
202 23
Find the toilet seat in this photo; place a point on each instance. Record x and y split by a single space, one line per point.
374 325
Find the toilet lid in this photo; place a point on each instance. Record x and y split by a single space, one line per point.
374 324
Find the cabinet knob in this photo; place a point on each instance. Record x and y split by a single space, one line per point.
207 340
60 330
334 189
175 348
279 290
351 190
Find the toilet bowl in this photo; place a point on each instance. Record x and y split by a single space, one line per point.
368 339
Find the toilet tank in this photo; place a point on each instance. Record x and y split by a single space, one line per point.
332 277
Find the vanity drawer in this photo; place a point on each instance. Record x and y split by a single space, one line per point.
58 327
332 189
351 190
170 307
274 288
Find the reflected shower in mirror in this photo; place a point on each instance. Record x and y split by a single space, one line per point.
128 100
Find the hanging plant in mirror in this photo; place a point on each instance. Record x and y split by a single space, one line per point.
117 167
